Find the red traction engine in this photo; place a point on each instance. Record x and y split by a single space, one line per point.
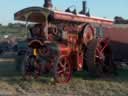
63 42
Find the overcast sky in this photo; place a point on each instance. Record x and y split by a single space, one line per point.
99 8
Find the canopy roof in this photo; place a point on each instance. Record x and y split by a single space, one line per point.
39 14
32 14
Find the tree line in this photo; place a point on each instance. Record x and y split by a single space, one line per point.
15 29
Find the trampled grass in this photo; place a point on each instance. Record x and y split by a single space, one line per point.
80 85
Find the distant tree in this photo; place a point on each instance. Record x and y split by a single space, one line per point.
10 25
16 29
16 25
120 20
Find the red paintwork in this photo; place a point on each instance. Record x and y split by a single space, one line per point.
64 50
80 62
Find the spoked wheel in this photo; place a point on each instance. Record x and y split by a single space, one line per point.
63 70
28 66
95 58
31 67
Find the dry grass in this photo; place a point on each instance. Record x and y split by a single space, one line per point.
78 86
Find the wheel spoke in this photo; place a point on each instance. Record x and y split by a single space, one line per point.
99 54
62 65
60 71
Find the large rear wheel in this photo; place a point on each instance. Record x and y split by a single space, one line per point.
97 59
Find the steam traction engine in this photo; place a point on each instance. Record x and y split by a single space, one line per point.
62 42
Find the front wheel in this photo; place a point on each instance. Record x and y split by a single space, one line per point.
28 66
63 70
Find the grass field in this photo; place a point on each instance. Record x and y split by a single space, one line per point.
80 85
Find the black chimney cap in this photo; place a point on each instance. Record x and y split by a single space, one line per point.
48 4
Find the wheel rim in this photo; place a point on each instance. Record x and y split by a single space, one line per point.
63 70
96 57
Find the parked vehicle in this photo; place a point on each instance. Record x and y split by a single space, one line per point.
21 48
65 41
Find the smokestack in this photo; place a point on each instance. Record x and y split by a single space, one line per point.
48 4
84 7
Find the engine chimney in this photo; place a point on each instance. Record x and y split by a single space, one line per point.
84 7
48 4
